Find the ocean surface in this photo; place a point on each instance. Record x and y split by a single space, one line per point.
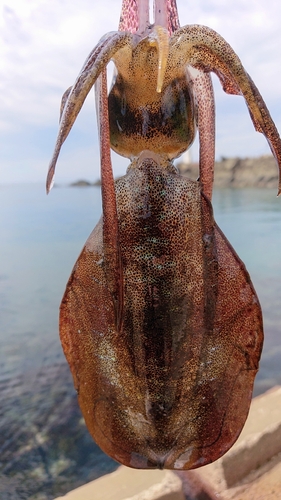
45 449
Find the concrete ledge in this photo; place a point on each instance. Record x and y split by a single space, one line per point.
265 487
258 443
131 484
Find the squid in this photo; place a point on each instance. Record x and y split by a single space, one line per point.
160 323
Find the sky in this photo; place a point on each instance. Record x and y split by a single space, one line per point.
44 44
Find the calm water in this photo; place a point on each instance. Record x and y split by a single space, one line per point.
41 238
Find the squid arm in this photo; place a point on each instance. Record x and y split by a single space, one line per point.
111 247
74 98
203 48
205 104
135 15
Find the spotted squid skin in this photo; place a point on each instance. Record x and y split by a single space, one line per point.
171 388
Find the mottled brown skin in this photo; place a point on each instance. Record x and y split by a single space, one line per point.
160 323
165 125
171 388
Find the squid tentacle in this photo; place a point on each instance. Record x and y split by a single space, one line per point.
166 15
205 103
95 63
63 101
111 245
205 49
129 17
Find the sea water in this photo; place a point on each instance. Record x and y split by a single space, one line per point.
41 238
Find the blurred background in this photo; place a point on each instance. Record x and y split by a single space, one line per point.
44 44
45 449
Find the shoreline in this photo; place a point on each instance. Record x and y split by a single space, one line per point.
237 173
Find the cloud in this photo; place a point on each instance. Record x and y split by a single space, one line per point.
44 44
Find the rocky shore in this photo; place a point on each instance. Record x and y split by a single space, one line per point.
260 172
237 172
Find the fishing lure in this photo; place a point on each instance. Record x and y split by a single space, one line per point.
160 323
